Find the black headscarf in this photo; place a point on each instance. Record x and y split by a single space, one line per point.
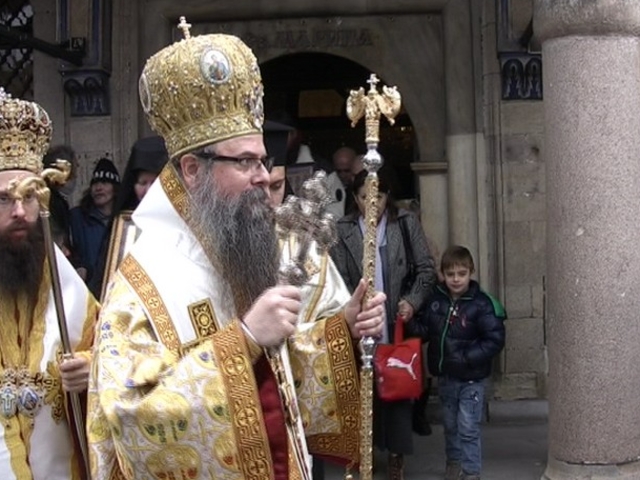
147 155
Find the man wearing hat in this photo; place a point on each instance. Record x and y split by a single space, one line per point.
35 438
205 366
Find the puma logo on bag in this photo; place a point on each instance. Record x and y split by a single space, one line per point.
397 363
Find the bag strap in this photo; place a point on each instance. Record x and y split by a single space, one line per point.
398 331
407 244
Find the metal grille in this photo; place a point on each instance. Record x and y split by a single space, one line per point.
16 60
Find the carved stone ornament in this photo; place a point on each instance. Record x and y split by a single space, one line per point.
88 92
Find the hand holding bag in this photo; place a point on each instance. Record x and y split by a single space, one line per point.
398 367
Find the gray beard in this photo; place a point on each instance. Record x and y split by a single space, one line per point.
240 232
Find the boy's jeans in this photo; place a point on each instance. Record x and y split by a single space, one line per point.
462 404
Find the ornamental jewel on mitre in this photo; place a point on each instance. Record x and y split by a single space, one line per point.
202 90
25 134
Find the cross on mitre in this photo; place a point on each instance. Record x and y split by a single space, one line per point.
184 26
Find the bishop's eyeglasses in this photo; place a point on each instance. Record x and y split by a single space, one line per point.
245 163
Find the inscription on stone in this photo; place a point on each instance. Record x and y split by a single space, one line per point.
311 39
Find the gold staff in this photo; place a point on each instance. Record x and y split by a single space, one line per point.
370 105
26 188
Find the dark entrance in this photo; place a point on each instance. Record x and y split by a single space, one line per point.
311 90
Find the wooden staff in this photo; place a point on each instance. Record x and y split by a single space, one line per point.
35 185
370 105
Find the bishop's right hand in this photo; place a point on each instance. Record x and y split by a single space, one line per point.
273 316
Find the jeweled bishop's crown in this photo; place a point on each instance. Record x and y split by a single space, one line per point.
202 90
25 134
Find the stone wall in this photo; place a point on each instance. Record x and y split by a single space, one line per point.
500 140
515 131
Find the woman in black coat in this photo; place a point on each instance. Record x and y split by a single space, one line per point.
405 285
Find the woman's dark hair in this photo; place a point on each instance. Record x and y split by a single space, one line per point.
384 186
86 202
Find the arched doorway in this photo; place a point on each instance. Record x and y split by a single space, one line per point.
311 90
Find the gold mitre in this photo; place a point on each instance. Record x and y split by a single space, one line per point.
202 90
25 134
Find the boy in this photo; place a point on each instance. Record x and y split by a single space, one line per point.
465 330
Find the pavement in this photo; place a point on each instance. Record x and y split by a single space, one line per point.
514 447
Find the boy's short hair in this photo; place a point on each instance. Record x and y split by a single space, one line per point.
457 255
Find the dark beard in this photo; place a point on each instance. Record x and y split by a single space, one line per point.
241 233
22 263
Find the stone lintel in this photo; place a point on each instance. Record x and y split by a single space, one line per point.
561 18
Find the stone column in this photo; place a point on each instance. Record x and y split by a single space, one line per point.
432 178
461 125
591 60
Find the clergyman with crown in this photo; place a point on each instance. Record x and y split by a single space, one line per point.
35 436
205 367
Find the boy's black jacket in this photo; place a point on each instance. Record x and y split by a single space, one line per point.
463 335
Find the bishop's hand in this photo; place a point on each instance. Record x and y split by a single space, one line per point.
365 320
75 374
273 316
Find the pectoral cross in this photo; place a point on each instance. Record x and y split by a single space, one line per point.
9 401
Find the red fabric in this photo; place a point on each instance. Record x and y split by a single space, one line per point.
273 417
398 367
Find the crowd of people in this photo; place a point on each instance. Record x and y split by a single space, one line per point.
201 362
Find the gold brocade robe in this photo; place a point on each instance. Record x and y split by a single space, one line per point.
173 392
40 447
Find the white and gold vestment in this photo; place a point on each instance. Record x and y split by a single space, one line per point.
173 390
35 438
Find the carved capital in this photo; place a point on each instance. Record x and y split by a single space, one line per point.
521 76
88 92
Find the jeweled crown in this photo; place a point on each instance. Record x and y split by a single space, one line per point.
25 134
202 90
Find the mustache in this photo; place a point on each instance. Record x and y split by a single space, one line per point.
19 226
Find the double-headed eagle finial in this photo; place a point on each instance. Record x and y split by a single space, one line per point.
371 105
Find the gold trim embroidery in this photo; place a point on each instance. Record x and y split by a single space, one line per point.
175 191
294 468
232 358
133 272
203 318
343 368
